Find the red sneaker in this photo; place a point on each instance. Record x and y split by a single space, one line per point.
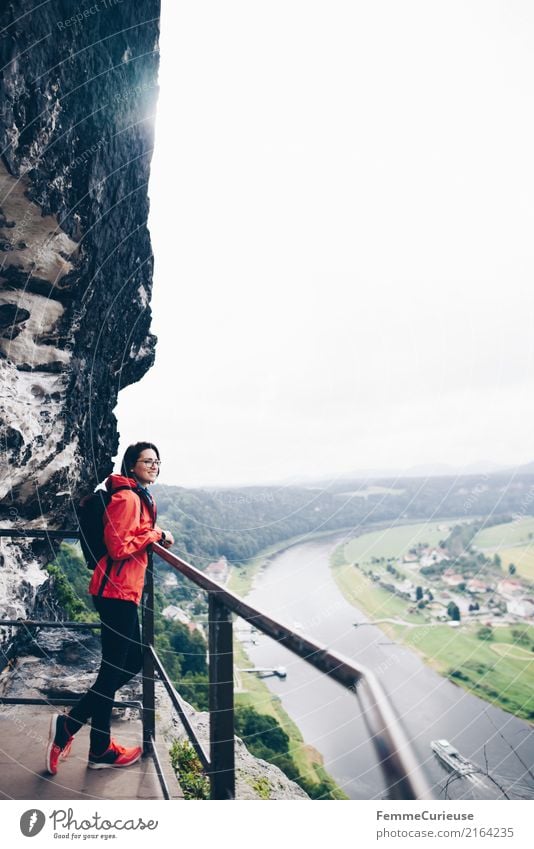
59 742
66 751
114 756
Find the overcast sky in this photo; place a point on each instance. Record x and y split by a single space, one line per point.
342 220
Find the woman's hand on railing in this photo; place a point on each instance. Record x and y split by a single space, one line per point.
167 539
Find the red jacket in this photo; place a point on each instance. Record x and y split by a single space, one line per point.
129 528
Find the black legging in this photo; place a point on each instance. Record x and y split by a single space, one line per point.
122 658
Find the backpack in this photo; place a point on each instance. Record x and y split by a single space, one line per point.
91 511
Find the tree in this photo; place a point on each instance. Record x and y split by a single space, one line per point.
485 633
453 611
521 636
511 569
259 730
418 593
497 561
190 648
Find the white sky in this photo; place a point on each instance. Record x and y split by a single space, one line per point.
342 216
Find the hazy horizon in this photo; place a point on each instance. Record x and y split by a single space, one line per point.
427 471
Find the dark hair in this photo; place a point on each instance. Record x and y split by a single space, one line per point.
131 456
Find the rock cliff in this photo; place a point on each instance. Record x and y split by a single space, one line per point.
78 93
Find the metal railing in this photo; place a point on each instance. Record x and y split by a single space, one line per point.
403 776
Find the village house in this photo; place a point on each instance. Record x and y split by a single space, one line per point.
509 588
218 570
170 580
431 556
452 578
172 611
523 607
475 585
410 558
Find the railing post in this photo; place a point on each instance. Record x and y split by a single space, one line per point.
221 700
149 698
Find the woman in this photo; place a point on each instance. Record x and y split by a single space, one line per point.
116 586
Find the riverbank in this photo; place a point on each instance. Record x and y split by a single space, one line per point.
307 759
242 577
499 670
256 694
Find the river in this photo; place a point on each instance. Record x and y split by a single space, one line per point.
296 586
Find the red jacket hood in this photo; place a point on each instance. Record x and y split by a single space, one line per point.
119 480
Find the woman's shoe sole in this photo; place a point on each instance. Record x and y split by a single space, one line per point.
94 765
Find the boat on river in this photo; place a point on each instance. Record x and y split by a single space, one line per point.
452 758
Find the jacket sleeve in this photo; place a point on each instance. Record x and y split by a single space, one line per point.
123 534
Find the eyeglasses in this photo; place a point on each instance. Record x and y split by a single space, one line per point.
151 462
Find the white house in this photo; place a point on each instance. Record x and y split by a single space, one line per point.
523 607
176 614
509 588
218 570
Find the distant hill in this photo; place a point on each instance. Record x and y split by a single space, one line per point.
238 522
527 469
430 470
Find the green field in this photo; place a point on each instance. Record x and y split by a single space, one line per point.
522 556
513 542
395 541
390 542
500 671
506 534
363 593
